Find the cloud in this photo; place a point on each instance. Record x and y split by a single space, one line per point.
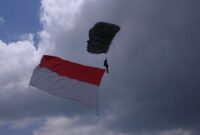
61 125
2 20
153 84
153 77
17 60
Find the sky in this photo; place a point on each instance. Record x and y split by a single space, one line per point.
18 17
153 84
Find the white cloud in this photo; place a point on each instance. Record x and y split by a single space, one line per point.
2 20
27 36
75 126
17 61
58 18
63 33
72 126
142 54
22 123
59 14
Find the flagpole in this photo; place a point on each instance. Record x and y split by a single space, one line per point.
97 111
97 104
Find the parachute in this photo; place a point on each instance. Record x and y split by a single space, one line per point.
101 36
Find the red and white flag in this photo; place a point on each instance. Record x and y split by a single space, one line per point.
67 79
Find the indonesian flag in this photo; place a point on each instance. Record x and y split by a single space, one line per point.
66 79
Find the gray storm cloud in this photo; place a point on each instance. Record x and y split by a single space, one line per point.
153 84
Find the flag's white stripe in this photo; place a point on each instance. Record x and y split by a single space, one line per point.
65 87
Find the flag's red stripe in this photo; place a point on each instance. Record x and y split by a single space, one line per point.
72 70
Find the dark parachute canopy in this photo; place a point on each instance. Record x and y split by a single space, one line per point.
101 36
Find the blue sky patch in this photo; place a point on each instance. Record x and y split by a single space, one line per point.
18 17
